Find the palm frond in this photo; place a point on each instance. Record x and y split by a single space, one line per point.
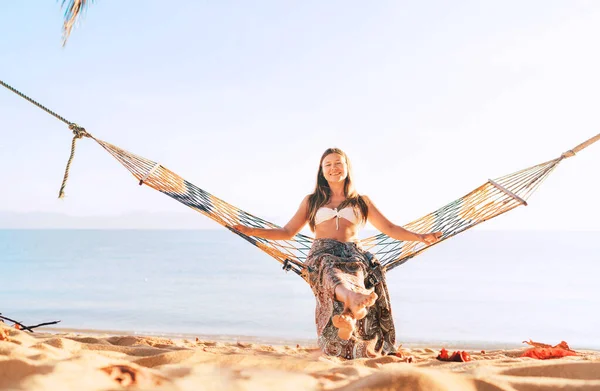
73 10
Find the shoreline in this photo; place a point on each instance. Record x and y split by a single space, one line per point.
186 336
307 342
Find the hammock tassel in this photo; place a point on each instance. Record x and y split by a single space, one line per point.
78 133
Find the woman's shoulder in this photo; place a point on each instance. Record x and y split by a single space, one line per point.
307 198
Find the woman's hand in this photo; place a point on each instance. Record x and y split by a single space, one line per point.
243 229
431 238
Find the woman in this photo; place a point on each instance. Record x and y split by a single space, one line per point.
353 314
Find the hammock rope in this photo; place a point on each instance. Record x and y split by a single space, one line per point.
78 132
487 201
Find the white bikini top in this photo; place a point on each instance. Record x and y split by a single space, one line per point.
324 214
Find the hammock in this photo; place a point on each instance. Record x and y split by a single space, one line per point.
489 200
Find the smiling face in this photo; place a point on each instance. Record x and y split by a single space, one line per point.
334 168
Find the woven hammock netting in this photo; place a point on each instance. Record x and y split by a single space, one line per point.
489 200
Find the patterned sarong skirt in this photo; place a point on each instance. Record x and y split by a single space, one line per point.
330 263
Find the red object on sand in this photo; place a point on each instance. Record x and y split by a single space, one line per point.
458 356
542 351
546 353
443 356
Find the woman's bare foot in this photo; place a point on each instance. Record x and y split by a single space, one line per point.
355 301
345 324
359 304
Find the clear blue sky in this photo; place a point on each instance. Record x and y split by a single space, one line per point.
429 99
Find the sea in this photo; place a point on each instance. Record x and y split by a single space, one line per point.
479 289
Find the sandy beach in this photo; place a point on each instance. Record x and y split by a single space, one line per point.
62 361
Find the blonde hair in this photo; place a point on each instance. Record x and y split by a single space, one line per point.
322 193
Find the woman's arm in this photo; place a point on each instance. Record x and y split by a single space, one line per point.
287 232
394 231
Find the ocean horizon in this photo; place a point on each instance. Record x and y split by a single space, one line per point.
481 288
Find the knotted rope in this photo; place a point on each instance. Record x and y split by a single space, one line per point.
78 132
